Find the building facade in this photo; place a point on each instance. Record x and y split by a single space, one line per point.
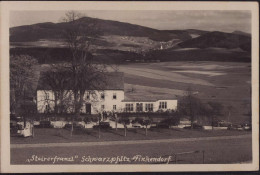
111 98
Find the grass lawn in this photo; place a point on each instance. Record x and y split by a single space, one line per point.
51 135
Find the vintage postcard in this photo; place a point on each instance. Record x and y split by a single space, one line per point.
129 86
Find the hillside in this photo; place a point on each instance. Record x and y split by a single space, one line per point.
241 33
89 26
219 40
120 42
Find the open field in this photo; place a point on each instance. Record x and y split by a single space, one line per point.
91 135
226 82
216 151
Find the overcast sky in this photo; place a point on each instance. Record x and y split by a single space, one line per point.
226 21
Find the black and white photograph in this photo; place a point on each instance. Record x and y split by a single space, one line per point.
147 87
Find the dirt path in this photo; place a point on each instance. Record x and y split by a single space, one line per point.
84 144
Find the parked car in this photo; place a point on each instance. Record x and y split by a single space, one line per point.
195 126
25 131
247 127
153 125
137 125
223 123
235 127
75 126
44 124
36 123
162 125
103 125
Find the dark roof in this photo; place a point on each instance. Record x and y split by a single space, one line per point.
110 81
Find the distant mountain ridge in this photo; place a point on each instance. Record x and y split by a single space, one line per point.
124 41
219 40
90 25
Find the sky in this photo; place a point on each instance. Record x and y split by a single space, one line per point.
225 21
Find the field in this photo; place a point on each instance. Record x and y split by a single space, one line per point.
226 82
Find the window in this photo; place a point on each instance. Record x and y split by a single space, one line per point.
102 96
139 107
149 107
102 107
114 96
114 107
129 107
163 105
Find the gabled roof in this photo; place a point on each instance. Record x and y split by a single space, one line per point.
52 81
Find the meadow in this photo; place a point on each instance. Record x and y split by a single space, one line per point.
226 82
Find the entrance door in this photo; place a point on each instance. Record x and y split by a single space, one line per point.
88 108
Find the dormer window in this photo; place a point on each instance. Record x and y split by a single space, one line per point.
114 96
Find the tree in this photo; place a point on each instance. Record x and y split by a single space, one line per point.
22 83
145 123
216 110
230 109
125 121
57 79
174 118
190 105
116 119
86 73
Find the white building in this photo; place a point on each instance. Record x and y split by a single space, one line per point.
110 98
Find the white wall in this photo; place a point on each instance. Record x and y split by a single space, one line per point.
95 100
171 104
108 101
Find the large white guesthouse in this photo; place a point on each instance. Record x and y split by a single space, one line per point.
111 98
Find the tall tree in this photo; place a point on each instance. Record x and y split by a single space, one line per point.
22 79
216 110
57 79
125 121
190 105
86 73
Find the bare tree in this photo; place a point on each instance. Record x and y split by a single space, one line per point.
190 105
145 123
125 121
57 79
71 16
216 111
86 73
22 81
